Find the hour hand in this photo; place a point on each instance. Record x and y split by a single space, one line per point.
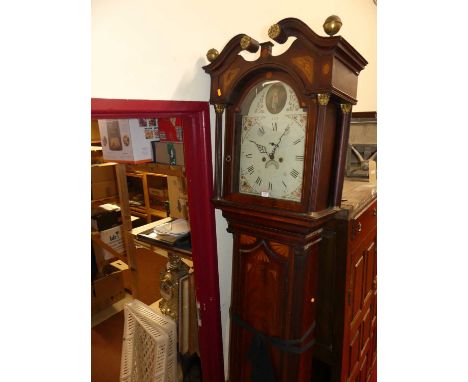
260 148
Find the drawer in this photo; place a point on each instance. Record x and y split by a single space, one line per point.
362 224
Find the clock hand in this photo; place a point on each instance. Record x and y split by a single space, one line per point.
260 148
272 155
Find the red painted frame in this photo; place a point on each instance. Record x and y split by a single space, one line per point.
198 164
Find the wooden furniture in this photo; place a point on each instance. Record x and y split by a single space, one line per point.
278 183
150 260
148 189
346 348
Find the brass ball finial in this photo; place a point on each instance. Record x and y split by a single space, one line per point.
332 25
212 54
245 41
274 31
249 44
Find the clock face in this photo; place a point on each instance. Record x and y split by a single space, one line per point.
272 141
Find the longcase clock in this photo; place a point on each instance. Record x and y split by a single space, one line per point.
278 181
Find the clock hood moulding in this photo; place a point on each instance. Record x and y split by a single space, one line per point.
330 56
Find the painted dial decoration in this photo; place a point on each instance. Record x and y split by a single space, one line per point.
272 141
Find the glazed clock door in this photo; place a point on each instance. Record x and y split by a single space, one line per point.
272 130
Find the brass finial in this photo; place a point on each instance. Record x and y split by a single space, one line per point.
274 31
249 44
212 54
245 41
332 25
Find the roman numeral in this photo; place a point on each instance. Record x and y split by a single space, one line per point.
261 130
248 155
299 157
294 173
284 184
270 186
274 126
259 181
297 141
250 169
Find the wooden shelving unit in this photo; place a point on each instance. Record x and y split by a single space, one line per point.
148 192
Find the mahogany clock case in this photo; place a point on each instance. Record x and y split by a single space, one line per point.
276 242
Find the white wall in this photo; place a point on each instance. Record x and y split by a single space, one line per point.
150 49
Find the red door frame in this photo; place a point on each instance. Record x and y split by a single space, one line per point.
197 152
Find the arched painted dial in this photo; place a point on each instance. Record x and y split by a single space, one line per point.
271 161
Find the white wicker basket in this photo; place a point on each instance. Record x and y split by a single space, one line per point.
144 349
162 327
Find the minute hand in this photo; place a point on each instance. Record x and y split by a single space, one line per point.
272 155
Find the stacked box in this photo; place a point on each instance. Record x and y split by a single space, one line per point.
107 290
112 237
103 181
121 266
178 199
126 140
102 219
171 153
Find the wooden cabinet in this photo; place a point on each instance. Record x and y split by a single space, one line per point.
360 305
346 348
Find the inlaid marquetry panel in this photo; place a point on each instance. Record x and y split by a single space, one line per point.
247 239
263 285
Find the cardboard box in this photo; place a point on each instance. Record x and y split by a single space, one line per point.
102 219
138 221
121 266
107 290
169 153
102 190
112 237
103 181
126 140
95 131
178 199
104 172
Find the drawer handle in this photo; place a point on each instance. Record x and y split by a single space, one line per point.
375 211
359 227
